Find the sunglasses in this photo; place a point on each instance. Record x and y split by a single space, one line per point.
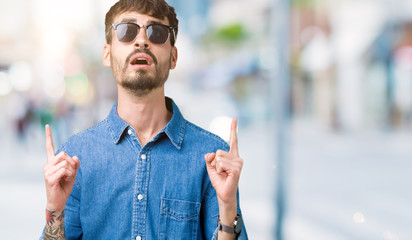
156 33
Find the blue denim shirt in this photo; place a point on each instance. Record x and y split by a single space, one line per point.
158 191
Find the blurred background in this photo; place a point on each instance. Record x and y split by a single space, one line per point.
322 90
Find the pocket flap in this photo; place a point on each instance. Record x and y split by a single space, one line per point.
180 209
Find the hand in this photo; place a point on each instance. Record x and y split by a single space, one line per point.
59 173
224 171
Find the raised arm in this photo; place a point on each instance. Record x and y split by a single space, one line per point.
224 172
59 174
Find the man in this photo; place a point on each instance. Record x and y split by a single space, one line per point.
144 172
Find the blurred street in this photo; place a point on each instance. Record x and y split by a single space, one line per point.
341 186
350 185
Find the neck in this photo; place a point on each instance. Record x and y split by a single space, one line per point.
146 114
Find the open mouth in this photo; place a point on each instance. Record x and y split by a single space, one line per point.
140 61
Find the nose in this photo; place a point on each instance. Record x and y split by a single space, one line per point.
141 40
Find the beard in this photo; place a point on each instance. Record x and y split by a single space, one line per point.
142 81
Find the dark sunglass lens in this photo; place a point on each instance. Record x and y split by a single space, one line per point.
157 33
126 32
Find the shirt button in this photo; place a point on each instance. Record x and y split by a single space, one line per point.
138 238
140 197
129 132
143 156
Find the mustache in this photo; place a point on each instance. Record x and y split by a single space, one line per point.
141 51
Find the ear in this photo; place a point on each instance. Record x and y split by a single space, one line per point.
106 55
173 59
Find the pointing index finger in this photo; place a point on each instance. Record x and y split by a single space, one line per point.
49 143
233 138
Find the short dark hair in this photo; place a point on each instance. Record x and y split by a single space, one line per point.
155 8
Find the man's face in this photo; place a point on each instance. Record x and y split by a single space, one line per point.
139 66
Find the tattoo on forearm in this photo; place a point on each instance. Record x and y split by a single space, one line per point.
50 217
61 217
54 231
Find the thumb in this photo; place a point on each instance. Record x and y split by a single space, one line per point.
76 159
209 158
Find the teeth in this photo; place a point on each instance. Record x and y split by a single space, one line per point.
141 61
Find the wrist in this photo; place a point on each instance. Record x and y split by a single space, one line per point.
54 208
54 217
54 225
228 213
230 231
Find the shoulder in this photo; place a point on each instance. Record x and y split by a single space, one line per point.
203 137
93 131
86 137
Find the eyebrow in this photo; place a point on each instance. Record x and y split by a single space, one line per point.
128 20
131 20
154 22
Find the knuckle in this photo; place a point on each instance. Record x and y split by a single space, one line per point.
48 178
71 163
64 168
65 164
59 156
47 172
63 155
69 168
52 181
220 152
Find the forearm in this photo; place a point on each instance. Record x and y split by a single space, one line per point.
227 215
54 225
60 174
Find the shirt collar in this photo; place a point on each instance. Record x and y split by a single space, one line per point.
175 128
116 125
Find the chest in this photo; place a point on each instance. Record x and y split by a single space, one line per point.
158 172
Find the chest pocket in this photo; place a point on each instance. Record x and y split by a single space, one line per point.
178 219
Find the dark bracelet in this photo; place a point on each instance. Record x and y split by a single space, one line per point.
234 229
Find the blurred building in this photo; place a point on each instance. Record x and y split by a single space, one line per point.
332 80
